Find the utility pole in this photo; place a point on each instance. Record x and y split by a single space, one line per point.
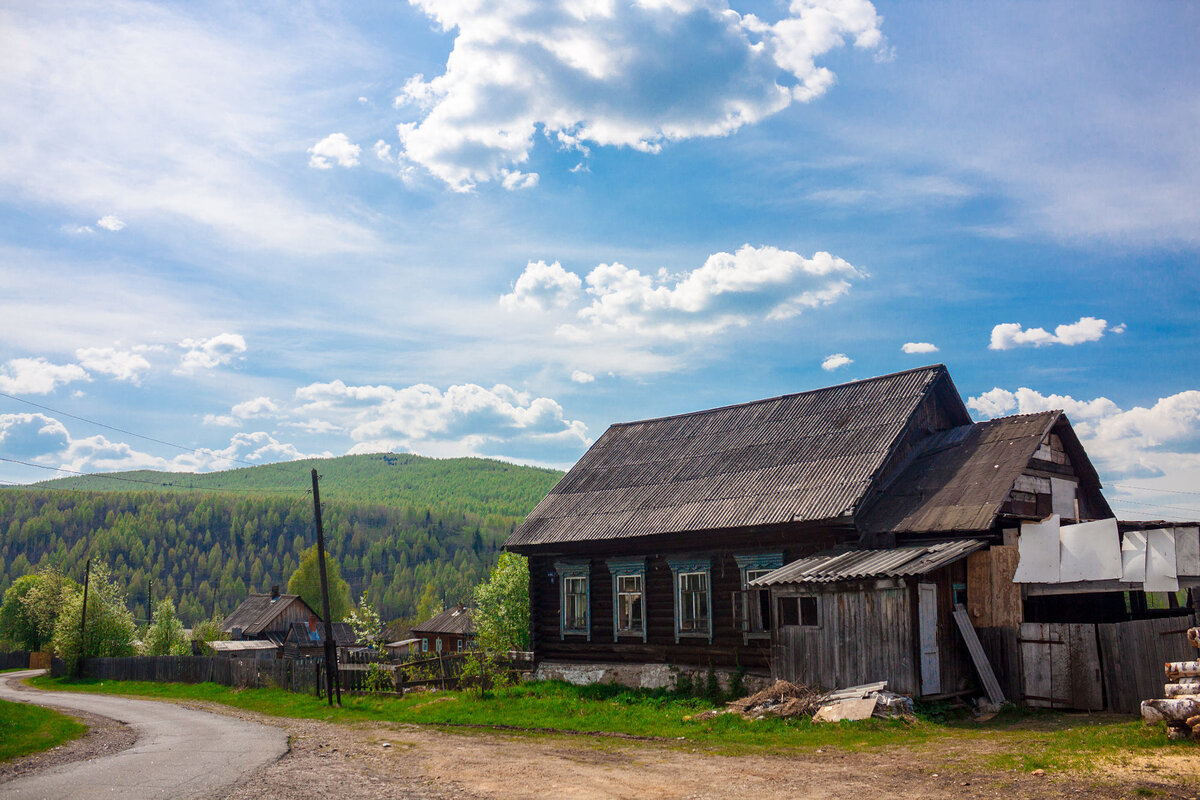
149 601
331 681
87 574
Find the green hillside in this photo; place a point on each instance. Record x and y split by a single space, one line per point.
476 486
398 524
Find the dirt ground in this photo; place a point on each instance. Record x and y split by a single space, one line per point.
407 762
404 761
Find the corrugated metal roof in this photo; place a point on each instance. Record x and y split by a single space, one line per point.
849 565
258 612
456 620
803 457
959 478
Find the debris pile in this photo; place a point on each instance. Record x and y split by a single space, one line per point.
785 699
1180 708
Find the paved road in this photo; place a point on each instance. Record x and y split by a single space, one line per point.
179 752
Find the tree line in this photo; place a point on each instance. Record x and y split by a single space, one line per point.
205 551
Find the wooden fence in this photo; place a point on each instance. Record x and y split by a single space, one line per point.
18 659
1132 655
305 676
294 675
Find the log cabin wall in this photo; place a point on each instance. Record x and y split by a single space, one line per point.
729 648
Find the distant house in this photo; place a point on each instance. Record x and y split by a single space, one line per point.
828 536
450 631
269 617
308 640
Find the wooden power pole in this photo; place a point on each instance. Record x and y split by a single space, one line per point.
331 676
87 574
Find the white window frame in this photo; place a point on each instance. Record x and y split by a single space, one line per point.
679 569
627 568
574 571
755 566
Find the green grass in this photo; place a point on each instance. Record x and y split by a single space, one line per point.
1015 740
28 729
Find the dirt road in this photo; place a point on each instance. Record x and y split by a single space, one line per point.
179 752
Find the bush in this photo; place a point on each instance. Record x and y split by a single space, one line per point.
165 636
110 629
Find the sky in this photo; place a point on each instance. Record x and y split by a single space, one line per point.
238 233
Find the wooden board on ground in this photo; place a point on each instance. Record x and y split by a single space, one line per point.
982 665
848 710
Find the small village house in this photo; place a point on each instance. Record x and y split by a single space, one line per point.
266 620
829 536
449 631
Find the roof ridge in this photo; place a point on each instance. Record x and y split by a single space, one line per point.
931 367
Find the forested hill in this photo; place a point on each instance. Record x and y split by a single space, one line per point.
399 525
478 486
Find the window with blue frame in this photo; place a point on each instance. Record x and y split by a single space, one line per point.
693 597
574 598
629 597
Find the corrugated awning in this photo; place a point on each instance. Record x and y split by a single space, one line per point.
246 644
848 565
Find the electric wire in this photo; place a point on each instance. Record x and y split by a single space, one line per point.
129 433
157 484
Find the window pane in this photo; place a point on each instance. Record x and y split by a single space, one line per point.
575 603
629 603
808 611
693 602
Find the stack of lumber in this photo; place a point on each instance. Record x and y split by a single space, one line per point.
1180 706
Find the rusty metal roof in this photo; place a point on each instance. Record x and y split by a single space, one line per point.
803 457
849 565
959 478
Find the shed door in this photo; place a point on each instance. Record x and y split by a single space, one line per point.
931 678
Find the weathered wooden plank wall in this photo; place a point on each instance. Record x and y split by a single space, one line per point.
243 673
1132 656
864 635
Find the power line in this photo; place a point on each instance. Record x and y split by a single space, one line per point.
159 484
128 433
1149 489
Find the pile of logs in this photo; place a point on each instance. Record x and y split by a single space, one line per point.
1180 709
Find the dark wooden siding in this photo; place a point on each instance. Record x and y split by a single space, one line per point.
727 649
866 634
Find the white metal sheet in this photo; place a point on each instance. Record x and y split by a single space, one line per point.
1133 557
1062 497
1187 551
1160 561
1091 551
1037 552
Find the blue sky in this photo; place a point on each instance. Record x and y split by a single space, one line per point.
463 227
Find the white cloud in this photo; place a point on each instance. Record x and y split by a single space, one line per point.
38 376
383 151
836 361
612 73
543 286
729 289
110 223
335 146
465 419
256 408
579 376
124 365
209 353
27 436
918 347
1011 334
515 179
78 230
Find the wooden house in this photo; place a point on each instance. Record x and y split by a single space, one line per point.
825 536
307 640
269 617
449 631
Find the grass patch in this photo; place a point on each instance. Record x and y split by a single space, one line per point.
1017 740
28 729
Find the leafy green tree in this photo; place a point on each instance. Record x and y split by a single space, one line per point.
368 628
17 628
207 631
501 613
165 636
109 628
306 582
429 604
31 607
